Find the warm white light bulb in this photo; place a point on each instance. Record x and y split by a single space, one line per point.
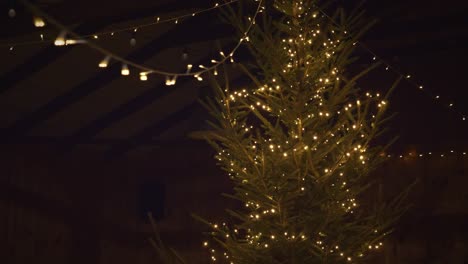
198 77
125 71
189 67
60 40
169 81
74 41
104 62
143 76
39 22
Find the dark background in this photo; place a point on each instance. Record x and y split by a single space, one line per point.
86 152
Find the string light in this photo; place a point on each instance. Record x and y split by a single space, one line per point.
125 71
12 13
133 39
143 76
60 40
74 41
189 67
407 77
198 77
420 155
171 81
38 22
104 62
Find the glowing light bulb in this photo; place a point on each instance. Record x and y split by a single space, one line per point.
198 77
74 41
125 71
189 67
169 81
60 40
143 76
39 22
104 62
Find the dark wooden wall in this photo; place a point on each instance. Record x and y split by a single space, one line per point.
81 208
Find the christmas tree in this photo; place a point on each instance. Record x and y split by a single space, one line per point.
298 142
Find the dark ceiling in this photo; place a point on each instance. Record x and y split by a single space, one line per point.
58 95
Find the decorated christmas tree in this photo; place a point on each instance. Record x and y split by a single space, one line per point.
299 142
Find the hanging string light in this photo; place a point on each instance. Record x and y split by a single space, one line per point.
407 77
171 81
74 41
104 62
143 76
125 71
38 22
60 40
124 29
427 154
133 38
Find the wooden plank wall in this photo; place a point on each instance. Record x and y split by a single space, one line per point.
80 208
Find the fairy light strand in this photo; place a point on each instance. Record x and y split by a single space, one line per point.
119 30
143 68
147 70
426 154
408 77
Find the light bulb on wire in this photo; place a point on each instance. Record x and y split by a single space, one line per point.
74 41
38 22
125 71
60 40
133 39
104 62
143 76
198 77
171 82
